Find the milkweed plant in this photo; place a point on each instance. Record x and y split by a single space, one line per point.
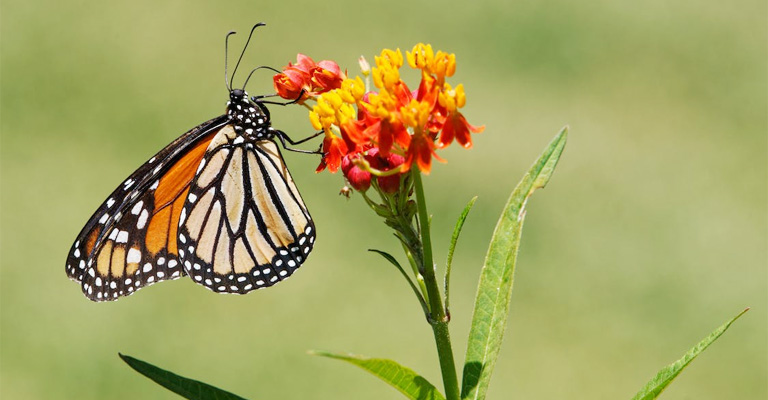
383 136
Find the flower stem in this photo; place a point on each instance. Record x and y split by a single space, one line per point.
447 365
438 319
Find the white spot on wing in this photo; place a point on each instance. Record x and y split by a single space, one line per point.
134 256
142 219
183 216
137 208
122 237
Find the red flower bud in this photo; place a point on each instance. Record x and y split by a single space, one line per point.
388 184
288 85
360 180
325 76
304 64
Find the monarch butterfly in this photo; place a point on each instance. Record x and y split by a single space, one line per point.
217 204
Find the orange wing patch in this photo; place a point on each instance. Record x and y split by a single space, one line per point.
130 242
177 178
91 241
169 197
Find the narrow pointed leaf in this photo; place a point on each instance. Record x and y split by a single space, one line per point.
184 387
408 382
397 265
495 287
452 248
663 378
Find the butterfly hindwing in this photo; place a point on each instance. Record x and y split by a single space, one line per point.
244 225
130 241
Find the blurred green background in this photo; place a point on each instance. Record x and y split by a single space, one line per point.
651 233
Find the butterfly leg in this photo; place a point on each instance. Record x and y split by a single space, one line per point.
258 99
285 138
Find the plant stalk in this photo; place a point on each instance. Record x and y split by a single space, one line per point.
438 319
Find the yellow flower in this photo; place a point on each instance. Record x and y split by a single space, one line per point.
352 90
424 58
323 114
386 77
345 113
452 99
314 118
444 64
387 72
391 58
421 57
416 114
381 104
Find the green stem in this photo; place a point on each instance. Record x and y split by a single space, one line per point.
428 265
438 319
447 365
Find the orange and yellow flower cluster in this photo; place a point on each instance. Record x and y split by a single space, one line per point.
313 78
384 132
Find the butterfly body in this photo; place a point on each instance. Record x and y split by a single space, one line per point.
217 204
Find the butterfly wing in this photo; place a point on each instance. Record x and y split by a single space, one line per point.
244 225
130 241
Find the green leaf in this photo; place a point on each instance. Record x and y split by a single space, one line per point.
452 248
495 287
184 387
408 382
397 265
663 378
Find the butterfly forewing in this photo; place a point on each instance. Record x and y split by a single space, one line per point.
130 241
244 225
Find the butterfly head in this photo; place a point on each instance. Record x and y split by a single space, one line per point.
247 117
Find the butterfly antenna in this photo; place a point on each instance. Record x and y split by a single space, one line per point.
256 69
244 48
226 56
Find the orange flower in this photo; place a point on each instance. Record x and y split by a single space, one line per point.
392 121
288 84
456 126
421 151
304 63
326 75
313 78
334 149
